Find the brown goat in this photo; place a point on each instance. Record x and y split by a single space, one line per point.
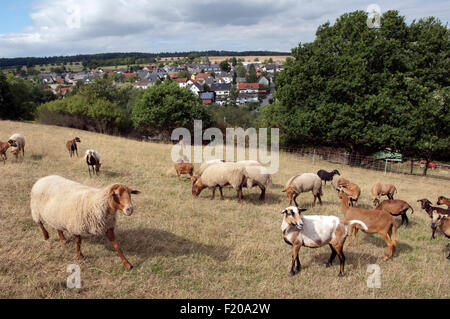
377 221
382 189
443 222
72 146
396 207
184 168
443 201
351 189
426 205
4 147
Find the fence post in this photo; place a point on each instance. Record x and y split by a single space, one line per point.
385 167
314 156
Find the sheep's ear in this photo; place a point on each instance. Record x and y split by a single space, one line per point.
135 192
284 212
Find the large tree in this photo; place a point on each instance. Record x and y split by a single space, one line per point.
364 88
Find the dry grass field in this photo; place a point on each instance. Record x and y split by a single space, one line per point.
186 247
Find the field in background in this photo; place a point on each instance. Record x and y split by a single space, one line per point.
250 58
186 247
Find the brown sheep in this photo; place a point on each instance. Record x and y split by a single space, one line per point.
443 222
4 147
377 221
443 201
426 205
351 189
382 189
396 207
183 168
72 146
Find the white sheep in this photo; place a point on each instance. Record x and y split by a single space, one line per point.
204 166
257 176
315 231
304 183
20 141
79 209
220 175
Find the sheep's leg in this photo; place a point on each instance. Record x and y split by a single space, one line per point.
76 150
240 195
213 196
44 231
221 193
61 237
314 202
356 236
295 258
112 239
332 256
389 244
350 232
263 193
179 176
341 256
78 241
320 200
89 170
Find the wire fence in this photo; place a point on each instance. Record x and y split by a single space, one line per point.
386 165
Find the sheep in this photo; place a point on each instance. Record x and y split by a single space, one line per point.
326 176
351 189
204 166
92 160
304 183
183 168
19 140
426 205
443 222
315 231
72 146
396 207
4 147
80 210
380 189
257 176
443 201
377 221
342 181
220 175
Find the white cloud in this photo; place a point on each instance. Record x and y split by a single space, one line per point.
88 26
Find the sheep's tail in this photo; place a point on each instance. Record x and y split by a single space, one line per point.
412 209
355 221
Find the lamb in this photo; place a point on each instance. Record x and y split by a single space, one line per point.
315 231
4 147
426 205
443 222
257 176
93 160
396 207
443 201
72 146
382 189
351 189
19 140
183 168
326 176
304 183
220 175
80 210
377 221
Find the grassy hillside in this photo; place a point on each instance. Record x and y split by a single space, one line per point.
186 247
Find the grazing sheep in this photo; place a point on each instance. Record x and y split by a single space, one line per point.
72 146
304 183
204 166
426 205
396 207
4 147
315 231
377 221
351 189
342 181
79 209
93 160
220 175
19 140
443 201
326 176
382 189
257 176
443 222
183 168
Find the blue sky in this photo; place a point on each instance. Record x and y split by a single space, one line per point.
66 27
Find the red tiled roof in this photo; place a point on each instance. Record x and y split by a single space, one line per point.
130 74
173 75
245 86
182 80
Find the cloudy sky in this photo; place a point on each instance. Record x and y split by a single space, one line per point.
56 27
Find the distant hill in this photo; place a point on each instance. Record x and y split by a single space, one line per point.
123 58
